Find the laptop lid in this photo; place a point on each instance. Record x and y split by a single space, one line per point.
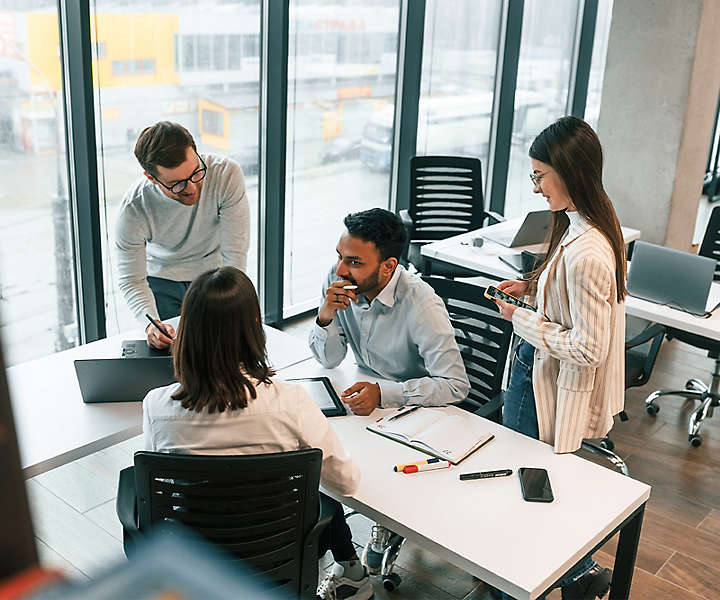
122 379
533 231
667 276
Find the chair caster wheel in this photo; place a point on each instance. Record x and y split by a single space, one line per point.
391 582
607 444
695 440
652 409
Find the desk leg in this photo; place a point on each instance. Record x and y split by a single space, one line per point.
625 556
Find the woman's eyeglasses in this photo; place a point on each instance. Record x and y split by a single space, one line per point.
536 178
179 186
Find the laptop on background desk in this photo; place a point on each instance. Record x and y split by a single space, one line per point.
533 230
671 277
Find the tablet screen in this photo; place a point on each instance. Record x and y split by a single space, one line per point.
318 392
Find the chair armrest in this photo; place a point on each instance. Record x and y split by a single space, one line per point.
492 407
322 522
494 217
310 549
126 501
646 335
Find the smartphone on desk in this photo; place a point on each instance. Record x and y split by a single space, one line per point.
535 485
495 294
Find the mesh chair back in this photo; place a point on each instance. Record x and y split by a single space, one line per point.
481 334
259 508
710 246
446 196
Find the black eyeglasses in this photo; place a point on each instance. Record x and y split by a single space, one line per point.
536 178
179 186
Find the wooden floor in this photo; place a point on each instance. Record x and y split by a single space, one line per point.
679 557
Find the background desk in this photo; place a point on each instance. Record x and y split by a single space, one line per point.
54 426
485 260
485 527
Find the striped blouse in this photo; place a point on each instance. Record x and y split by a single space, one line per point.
579 335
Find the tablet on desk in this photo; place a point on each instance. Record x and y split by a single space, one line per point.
323 393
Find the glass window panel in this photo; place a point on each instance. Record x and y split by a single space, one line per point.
340 124
234 51
188 48
458 78
202 58
546 53
218 107
219 52
37 292
597 67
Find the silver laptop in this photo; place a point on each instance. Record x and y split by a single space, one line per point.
534 230
677 279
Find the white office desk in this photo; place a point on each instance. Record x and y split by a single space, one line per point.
485 527
55 427
485 261
678 319
458 250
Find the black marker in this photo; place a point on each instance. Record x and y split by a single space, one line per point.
485 474
157 326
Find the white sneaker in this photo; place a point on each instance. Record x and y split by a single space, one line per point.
336 587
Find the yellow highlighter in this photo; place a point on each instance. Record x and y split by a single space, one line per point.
429 461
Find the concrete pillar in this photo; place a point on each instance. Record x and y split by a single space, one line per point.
660 89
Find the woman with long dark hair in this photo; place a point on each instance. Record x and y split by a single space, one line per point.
567 380
227 402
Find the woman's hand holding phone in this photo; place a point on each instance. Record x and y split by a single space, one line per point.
514 288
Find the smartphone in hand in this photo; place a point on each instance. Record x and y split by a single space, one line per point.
495 294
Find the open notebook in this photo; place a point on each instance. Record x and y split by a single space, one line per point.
448 432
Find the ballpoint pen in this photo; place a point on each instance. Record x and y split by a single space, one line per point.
402 414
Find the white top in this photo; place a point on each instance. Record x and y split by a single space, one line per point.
283 417
576 219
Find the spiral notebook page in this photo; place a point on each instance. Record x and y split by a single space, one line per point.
447 432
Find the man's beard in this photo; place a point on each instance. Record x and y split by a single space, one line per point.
369 284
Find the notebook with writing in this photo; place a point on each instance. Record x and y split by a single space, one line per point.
447 432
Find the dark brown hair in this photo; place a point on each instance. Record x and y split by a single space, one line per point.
220 343
573 150
163 144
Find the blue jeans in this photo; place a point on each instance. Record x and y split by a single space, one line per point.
519 414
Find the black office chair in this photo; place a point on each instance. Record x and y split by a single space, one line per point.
484 341
446 199
708 395
262 509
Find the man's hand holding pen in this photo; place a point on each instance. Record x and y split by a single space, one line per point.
159 335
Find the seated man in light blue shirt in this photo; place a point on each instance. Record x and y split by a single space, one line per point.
396 325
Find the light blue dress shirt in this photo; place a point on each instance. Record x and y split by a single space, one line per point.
403 335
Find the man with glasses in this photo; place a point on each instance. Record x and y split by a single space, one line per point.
187 215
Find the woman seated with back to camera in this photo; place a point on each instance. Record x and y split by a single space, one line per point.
227 402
